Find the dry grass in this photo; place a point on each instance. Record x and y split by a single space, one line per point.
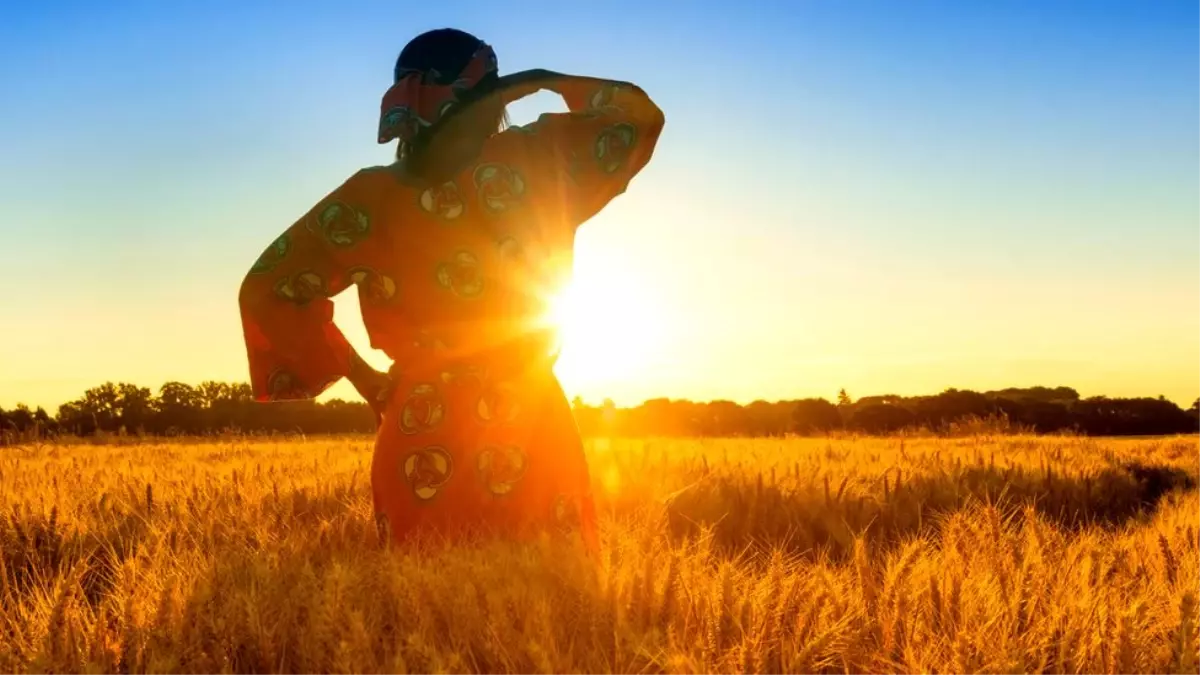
973 555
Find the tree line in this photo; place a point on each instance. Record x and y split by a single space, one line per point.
183 409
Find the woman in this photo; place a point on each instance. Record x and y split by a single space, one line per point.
455 249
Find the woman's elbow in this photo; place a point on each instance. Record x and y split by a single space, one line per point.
650 128
651 116
657 121
250 296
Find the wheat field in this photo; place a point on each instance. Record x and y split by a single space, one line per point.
983 554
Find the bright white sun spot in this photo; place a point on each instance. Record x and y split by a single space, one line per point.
608 329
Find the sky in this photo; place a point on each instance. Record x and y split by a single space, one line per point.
878 196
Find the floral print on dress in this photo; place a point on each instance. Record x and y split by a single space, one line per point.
374 287
427 339
444 201
463 375
604 96
461 275
422 411
501 468
498 404
302 287
273 255
427 471
342 224
500 188
283 386
614 145
510 249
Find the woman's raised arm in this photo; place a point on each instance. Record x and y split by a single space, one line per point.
605 139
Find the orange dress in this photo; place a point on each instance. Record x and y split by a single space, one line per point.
453 281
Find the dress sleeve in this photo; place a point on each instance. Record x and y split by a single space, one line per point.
605 139
295 350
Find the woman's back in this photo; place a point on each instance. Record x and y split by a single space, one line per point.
454 277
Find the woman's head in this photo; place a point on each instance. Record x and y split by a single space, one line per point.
436 105
441 54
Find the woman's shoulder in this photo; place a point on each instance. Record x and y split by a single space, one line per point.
390 175
527 147
394 190
381 184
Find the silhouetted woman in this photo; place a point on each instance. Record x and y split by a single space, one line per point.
455 249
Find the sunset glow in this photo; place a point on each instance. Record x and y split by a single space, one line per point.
892 212
608 329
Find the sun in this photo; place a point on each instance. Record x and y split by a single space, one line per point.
608 331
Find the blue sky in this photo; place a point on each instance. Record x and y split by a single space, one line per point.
890 197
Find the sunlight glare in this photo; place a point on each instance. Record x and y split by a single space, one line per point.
608 330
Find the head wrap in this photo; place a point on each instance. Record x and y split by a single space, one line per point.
418 99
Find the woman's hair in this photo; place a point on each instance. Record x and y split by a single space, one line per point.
446 50
442 54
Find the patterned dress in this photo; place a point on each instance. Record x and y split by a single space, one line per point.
453 280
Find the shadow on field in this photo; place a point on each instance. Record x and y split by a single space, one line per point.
37 549
746 514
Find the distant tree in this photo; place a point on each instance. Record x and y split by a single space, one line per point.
608 415
1043 416
587 418
728 418
1061 395
1105 416
177 396
135 405
179 407
769 419
23 420
20 419
103 405
885 399
213 406
40 416
881 417
950 405
815 415
656 417
72 419
241 393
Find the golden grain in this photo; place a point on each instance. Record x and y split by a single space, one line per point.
995 554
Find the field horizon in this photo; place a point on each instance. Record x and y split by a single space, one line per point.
181 409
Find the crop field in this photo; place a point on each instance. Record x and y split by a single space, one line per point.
981 554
